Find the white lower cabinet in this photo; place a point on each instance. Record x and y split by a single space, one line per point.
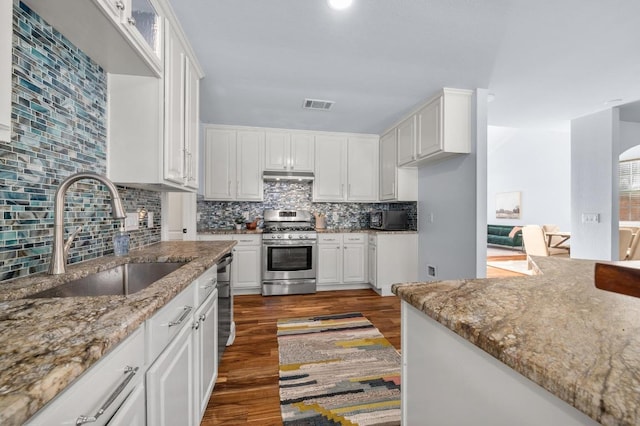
162 374
246 269
206 351
393 258
170 383
342 259
96 396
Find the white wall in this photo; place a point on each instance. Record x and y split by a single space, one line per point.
595 147
629 138
537 163
454 191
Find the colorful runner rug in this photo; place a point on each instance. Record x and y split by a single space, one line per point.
337 370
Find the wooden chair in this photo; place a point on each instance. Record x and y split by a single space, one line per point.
624 243
555 239
535 243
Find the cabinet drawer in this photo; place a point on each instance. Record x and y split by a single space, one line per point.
245 240
354 238
123 366
205 284
329 238
168 321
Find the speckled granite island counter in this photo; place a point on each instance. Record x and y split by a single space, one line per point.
579 343
47 343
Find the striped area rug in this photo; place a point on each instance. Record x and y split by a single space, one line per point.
337 370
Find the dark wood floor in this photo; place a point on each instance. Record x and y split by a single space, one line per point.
246 392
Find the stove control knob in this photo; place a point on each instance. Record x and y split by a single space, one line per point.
290 236
279 236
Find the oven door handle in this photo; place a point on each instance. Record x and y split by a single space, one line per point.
281 243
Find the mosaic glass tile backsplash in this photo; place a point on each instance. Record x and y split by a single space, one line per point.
295 196
59 119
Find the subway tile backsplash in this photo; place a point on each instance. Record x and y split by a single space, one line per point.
291 195
59 119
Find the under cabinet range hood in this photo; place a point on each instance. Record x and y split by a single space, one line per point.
288 175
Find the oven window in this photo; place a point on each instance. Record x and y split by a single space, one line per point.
289 258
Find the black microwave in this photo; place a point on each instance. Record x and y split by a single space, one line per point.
388 220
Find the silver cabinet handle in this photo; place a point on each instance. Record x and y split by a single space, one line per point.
245 241
349 190
229 187
185 313
211 283
131 20
195 325
129 372
202 317
338 247
120 5
342 190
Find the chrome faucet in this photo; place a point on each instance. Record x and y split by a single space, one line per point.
60 248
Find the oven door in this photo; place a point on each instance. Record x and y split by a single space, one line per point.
288 260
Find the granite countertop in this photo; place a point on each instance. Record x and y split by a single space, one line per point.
47 343
580 343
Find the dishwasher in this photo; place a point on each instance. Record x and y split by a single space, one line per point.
226 326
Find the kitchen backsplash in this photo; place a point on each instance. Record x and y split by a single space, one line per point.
59 119
295 196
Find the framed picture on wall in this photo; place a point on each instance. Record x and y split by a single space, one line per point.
508 205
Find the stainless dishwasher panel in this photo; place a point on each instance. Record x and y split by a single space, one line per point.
225 304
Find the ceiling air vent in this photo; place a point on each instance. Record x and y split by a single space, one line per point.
317 104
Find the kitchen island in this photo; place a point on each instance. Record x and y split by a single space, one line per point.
48 343
555 329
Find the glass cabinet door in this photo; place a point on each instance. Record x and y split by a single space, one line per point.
147 21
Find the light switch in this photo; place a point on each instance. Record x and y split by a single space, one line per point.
590 218
150 220
131 222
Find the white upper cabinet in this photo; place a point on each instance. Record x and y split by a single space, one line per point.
346 168
331 162
440 128
407 141
6 30
362 169
233 164
289 151
249 161
396 184
157 119
123 36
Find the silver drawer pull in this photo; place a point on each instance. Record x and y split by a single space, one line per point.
212 283
129 372
185 313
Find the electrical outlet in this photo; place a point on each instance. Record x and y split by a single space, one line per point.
431 270
150 220
590 218
131 222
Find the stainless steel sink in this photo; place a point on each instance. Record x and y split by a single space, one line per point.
120 280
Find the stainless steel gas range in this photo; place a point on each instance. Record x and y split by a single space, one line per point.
289 253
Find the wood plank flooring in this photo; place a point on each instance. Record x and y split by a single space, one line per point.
246 392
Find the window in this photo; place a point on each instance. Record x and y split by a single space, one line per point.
629 190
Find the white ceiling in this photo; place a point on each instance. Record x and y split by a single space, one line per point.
546 61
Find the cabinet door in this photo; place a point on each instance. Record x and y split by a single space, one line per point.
220 164
277 151
329 263
330 160
170 385
373 265
388 166
430 128
133 412
174 92
302 152
362 169
407 141
249 165
206 351
192 122
245 269
354 270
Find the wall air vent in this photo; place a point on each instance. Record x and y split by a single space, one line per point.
317 104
